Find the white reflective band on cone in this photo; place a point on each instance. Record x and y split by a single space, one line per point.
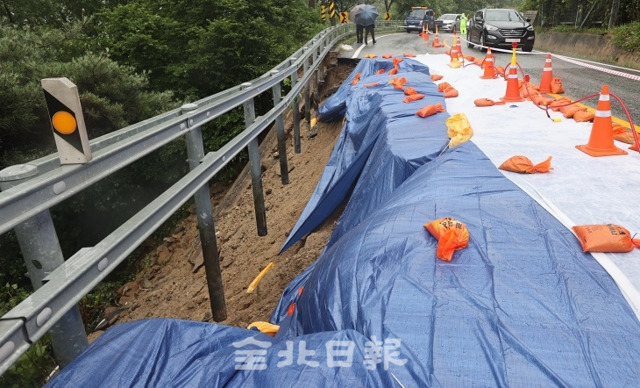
604 97
600 113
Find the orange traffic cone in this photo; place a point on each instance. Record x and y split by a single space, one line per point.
547 76
458 47
425 34
436 41
601 139
487 65
513 88
454 55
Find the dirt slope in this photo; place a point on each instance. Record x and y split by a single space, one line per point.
174 283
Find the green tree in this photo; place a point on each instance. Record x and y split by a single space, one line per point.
112 95
198 47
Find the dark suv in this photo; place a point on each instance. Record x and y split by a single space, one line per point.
499 27
421 16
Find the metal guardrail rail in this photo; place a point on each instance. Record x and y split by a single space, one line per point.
29 191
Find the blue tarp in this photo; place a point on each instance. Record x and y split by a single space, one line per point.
522 305
371 110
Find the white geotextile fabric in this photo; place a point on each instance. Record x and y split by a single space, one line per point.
580 189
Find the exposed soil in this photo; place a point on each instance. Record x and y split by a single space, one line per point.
174 282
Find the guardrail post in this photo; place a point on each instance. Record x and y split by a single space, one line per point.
256 167
42 254
282 142
206 225
295 112
307 95
316 77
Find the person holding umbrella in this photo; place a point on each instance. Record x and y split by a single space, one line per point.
359 32
365 15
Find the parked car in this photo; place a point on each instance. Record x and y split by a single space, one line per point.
450 22
418 17
500 27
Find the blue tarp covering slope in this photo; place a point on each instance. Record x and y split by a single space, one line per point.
371 109
522 305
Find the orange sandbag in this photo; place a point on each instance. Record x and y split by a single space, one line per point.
523 165
398 83
452 235
604 238
430 110
381 71
414 97
387 56
409 55
541 100
556 86
371 56
583 115
393 71
555 105
623 134
397 60
409 91
356 79
570 110
442 86
436 77
484 102
451 92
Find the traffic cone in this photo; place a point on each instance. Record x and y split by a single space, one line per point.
454 55
458 47
513 88
487 65
436 41
601 139
547 76
425 34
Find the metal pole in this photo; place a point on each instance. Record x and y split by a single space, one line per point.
206 225
295 113
42 254
256 168
316 77
282 142
307 95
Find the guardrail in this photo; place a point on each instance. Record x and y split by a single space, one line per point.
30 190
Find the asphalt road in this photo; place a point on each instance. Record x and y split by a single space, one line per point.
578 81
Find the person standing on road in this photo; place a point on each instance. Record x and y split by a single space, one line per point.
463 24
369 30
359 32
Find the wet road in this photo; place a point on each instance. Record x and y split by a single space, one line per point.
578 81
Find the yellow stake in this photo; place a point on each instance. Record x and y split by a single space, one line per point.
254 284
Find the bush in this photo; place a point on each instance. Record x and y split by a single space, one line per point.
627 37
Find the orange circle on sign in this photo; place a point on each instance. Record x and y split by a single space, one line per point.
64 122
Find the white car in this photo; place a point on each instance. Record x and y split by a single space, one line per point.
450 22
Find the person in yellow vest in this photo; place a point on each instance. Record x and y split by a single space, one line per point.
463 25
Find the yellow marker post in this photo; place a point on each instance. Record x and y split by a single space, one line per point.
254 284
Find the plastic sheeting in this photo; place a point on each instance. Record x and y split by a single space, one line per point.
174 353
371 109
520 306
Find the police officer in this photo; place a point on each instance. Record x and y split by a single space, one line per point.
463 25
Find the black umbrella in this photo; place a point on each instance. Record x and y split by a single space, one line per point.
364 14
